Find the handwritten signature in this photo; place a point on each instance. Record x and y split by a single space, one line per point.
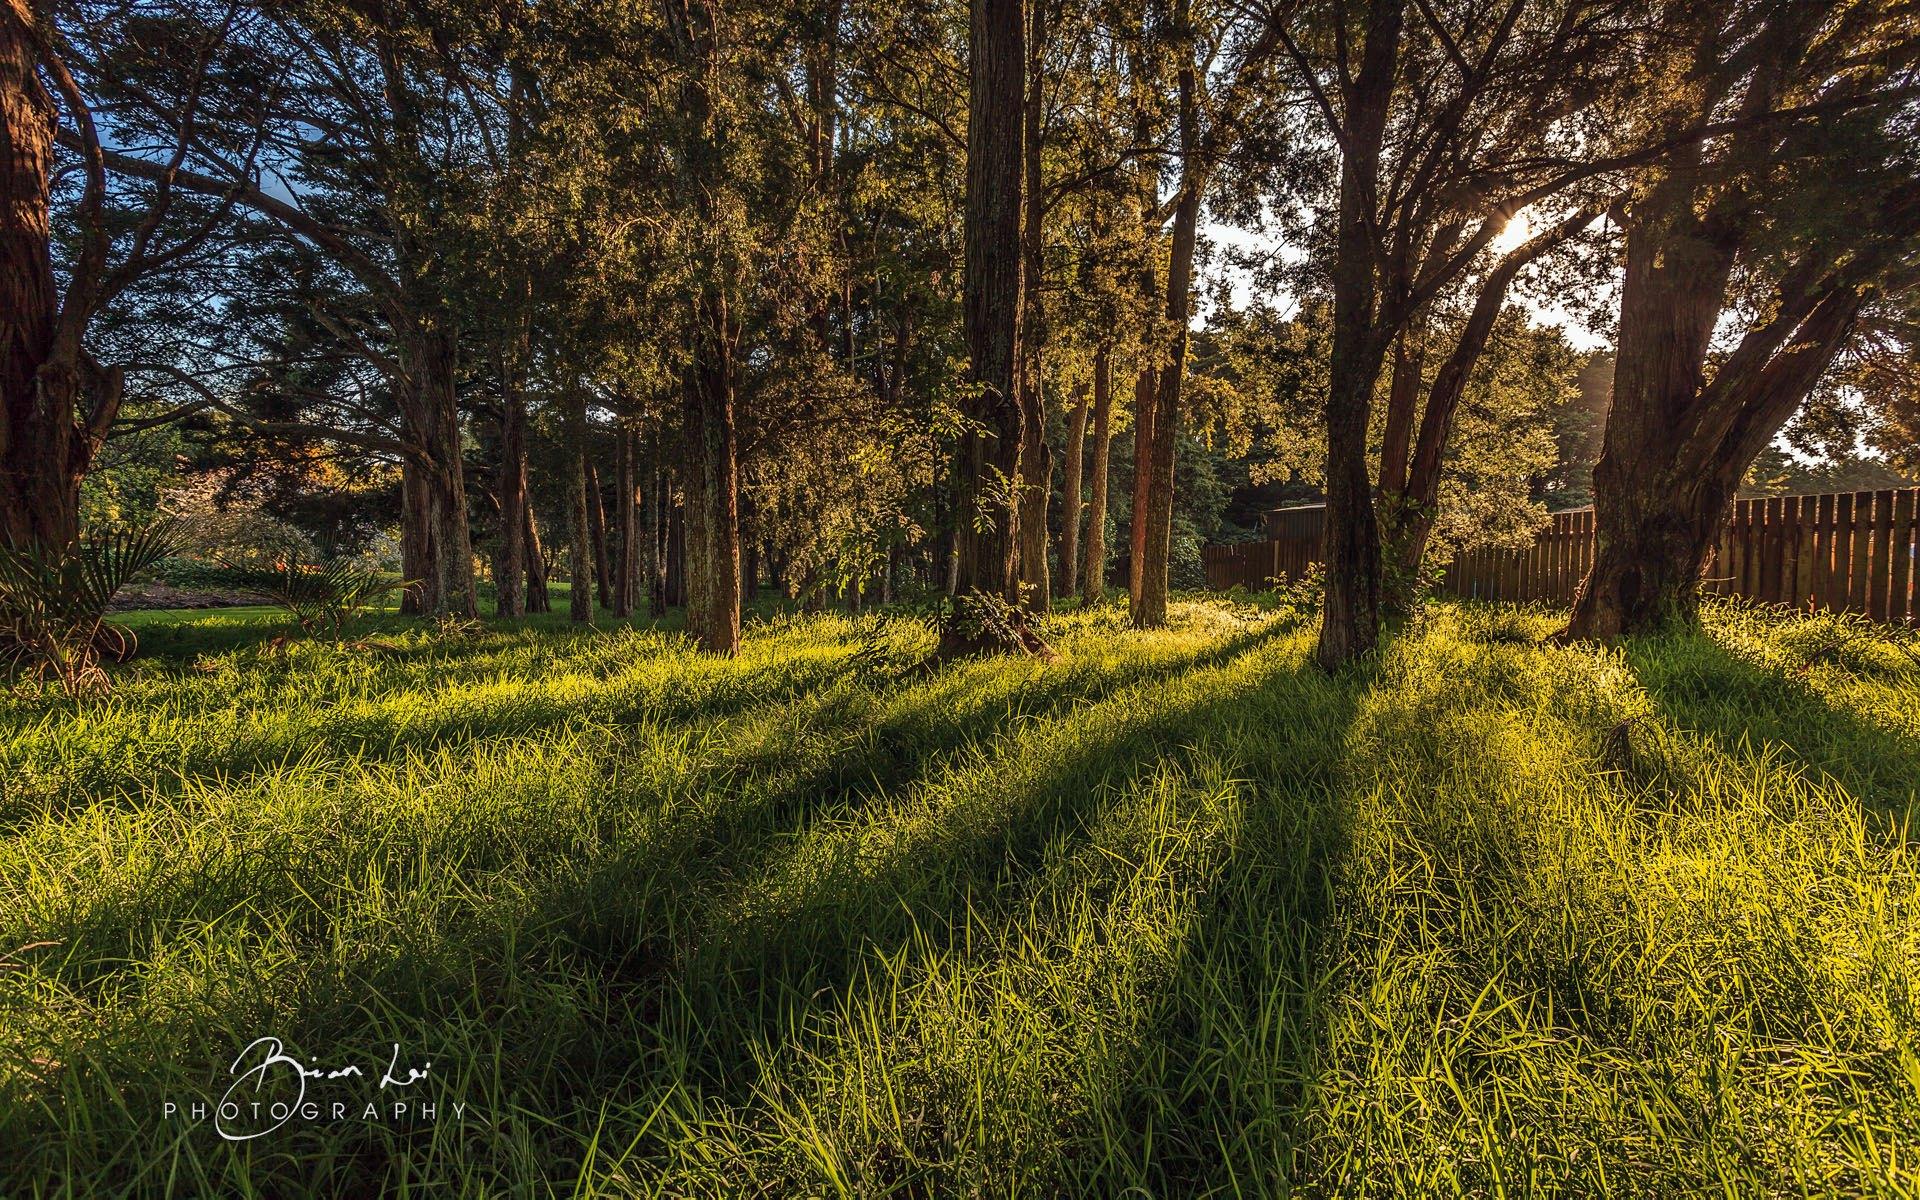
274 1069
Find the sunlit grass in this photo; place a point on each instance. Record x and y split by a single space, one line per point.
1178 913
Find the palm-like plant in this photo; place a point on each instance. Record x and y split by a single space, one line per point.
320 596
53 603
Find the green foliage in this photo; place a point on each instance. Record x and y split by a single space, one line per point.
1504 438
980 621
1179 914
53 603
128 478
321 597
190 571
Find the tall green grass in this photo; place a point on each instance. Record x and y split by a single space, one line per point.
1177 915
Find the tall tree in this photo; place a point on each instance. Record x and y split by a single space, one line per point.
1219 63
1801 213
1446 121
57 400
375 200
987 459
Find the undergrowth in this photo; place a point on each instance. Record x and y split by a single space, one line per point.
1175 913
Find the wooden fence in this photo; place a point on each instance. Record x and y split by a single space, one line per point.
1854 551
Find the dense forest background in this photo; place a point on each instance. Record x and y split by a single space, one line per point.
1018 299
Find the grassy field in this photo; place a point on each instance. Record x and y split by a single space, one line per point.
1177 914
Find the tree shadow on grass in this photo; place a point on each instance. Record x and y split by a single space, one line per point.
1698 684
785 958
614 928
702 691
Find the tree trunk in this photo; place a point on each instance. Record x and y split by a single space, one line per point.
437 491
713 486
1036 457
41 460
1403 406
597 527
538 599
416 542
1070 483
579 542
510 494
1036 487
750 568
1144 410
1093 571
987 459
1678 443
653 571
1350 621
1150 609
625 577
674 576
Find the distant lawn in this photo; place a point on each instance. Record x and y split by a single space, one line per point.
1178 913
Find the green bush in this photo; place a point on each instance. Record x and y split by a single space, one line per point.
53 603
320 596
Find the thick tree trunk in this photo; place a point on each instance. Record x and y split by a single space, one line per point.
1070 484
986 471
711 479
434 488
1653 509
510 494
1036 457
1350 621
1350 624
1678 443
713 483
41 457
416 542
1093 571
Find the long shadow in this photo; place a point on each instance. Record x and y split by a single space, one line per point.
649 934
867 747
771 803
368 736
371 736
1698 684
1220 1081
803 946
617 921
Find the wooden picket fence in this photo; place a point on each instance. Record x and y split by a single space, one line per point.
1851 551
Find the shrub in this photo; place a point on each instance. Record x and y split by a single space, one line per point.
320 596
53 603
